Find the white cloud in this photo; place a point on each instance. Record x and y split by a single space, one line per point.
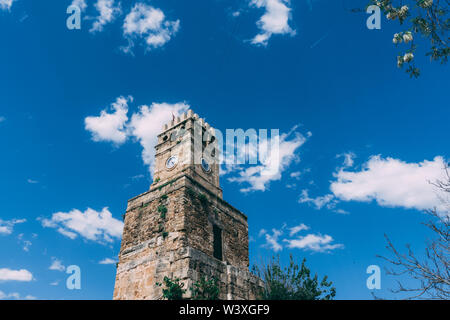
108 11
92 225
341 211
110 126
26 245
147 123
348 158
313 242
6 4
68 234
15 275
295 175
57 265
7 226
272 240
138 177
318 202
80 4
149 23
14 296
297 229
108 261
260 176
144 125
392 183
31 181
274 21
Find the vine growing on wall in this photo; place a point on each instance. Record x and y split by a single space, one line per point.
162 210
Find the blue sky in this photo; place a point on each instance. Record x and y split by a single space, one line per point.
364 137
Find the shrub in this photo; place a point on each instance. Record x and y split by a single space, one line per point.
173 289
205 289
293 283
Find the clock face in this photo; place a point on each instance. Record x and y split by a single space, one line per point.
171 162
205 165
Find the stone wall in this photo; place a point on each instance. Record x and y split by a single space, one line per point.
179 243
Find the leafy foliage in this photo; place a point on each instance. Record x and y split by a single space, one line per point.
190 192
173 289
293 282
205 289
426 18
201 290
162 209
203 199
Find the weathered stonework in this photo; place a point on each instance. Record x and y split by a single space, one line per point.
169 229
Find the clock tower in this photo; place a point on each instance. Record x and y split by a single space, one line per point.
182 228
188 145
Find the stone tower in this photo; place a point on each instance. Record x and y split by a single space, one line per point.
181 227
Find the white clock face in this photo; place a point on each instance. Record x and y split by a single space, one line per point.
205 165
171 162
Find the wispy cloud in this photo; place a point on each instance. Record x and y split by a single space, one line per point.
26 244
108 261
15 296
6 4
57 265
272 241
80 4
108 11
295 175
318 202
260 176
7 226
294 230
138 177
349 159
